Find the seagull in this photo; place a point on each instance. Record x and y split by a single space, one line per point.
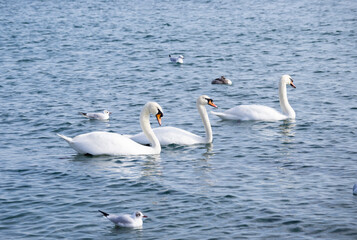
222 80
126 220
355 189
97 116
178 59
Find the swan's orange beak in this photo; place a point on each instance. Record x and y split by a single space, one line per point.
291 83
158 117
210 102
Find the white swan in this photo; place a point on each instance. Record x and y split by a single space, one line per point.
97 116
172 135
107 143
178 59
260 112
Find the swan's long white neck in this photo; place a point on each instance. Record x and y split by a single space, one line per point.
149 133
206 123
284 103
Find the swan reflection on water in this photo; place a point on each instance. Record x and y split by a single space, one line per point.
131 167
287 128
151 166
209 151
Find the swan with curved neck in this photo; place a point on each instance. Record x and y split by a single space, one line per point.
107 143
260 112
172 135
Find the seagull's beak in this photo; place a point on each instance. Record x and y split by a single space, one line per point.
110 112
145 216
158 117
210 102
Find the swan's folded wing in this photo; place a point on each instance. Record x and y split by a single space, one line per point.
224 115
106 143
251 112
258 113
170 135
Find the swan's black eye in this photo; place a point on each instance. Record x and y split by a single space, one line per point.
291 80
160 113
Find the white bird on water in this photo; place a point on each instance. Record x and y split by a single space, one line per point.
108 143
97 116
172 135
132 221
260 112
178 59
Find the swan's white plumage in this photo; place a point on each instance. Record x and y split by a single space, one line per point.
173 135
107 143
260 112
251 112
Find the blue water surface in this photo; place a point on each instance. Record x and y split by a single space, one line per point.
258 180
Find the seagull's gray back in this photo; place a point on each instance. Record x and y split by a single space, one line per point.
95 115
121 219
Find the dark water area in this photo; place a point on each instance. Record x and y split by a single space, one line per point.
287 179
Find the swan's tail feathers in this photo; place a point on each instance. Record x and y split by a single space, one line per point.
68 139
128 135
221 115
104 213
84 114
